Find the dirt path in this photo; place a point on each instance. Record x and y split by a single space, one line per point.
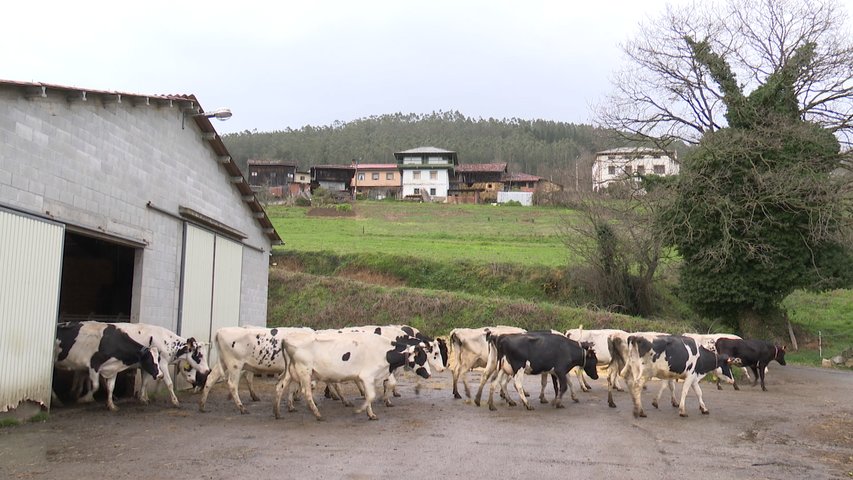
801 428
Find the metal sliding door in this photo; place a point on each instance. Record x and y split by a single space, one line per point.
212 274
30 276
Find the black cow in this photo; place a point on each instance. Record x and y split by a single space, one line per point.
672 357
102 349
537 353
755 354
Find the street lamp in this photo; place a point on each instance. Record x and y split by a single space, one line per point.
221 114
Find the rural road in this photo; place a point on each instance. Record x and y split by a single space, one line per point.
801 428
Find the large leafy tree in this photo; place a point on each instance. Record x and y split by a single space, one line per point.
760 208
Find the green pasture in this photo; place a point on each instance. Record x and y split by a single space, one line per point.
477 233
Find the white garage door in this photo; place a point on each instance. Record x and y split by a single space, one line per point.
212 275
30 276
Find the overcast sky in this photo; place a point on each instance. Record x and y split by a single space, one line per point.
312 62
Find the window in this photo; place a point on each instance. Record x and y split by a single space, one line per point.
389 176
254 174
628 169
611 157
641 169
432 191
433 175
659 170
611 170
360 177
416 175
417 191
375 176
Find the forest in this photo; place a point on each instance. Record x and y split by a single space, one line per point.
539 147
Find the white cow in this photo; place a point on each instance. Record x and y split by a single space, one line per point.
469 350
249 349
102 349
365 358
611 349
174 350
437 354
709 341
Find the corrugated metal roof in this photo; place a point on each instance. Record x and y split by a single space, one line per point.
270 162
520 177
481 167
628 150
377 166
426 150
189 102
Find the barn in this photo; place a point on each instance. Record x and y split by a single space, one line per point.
118 207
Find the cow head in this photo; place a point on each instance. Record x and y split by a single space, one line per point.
779 354
590 360
149 362
193 354
436 352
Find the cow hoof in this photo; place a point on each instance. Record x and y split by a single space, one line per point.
372 417
256 398
396 395
202 409
544 400
349 404
705 412
321 419
575 400
655 404
492 407
560 405
417 389
675 405
719 387
640 414
291 409
529 407
611 404
684 415
389 404
511 403
763 389
477 402
243 411
456 395
737 388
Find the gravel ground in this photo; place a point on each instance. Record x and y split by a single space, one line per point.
801 428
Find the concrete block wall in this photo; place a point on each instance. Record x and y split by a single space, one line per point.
97 164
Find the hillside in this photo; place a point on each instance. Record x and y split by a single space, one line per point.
537 147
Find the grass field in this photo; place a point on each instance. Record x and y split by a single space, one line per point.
482 234
479 250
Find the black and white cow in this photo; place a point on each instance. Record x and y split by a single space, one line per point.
246 349
365 358
437 352
671 357
102 349
174 350
755 354
537 353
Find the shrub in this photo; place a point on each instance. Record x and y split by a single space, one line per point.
302 202
511 203
344 207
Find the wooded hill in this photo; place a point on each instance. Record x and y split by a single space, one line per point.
538 147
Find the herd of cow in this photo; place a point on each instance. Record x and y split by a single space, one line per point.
370 355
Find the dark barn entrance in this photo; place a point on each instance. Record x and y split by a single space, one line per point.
97 284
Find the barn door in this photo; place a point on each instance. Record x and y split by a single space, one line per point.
212 273
30 275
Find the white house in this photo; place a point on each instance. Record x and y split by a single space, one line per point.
426 170
624 162
118 207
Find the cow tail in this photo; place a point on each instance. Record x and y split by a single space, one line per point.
455 352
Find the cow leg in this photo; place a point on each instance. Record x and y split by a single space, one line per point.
455 372
250 382
111 385
215 375
754 372
488 374
636 386
761 375
689 382
369 395
339 395
663 385
389 383
167 379
698 391
519 387
304 377
499 378
571 388
95 382
544 382
233 380
671 385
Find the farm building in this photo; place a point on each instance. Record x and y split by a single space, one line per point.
477 182
334 178
377 181
626 162
271 176
118 207
426 171
301 183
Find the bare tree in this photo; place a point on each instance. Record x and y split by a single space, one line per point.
663 94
